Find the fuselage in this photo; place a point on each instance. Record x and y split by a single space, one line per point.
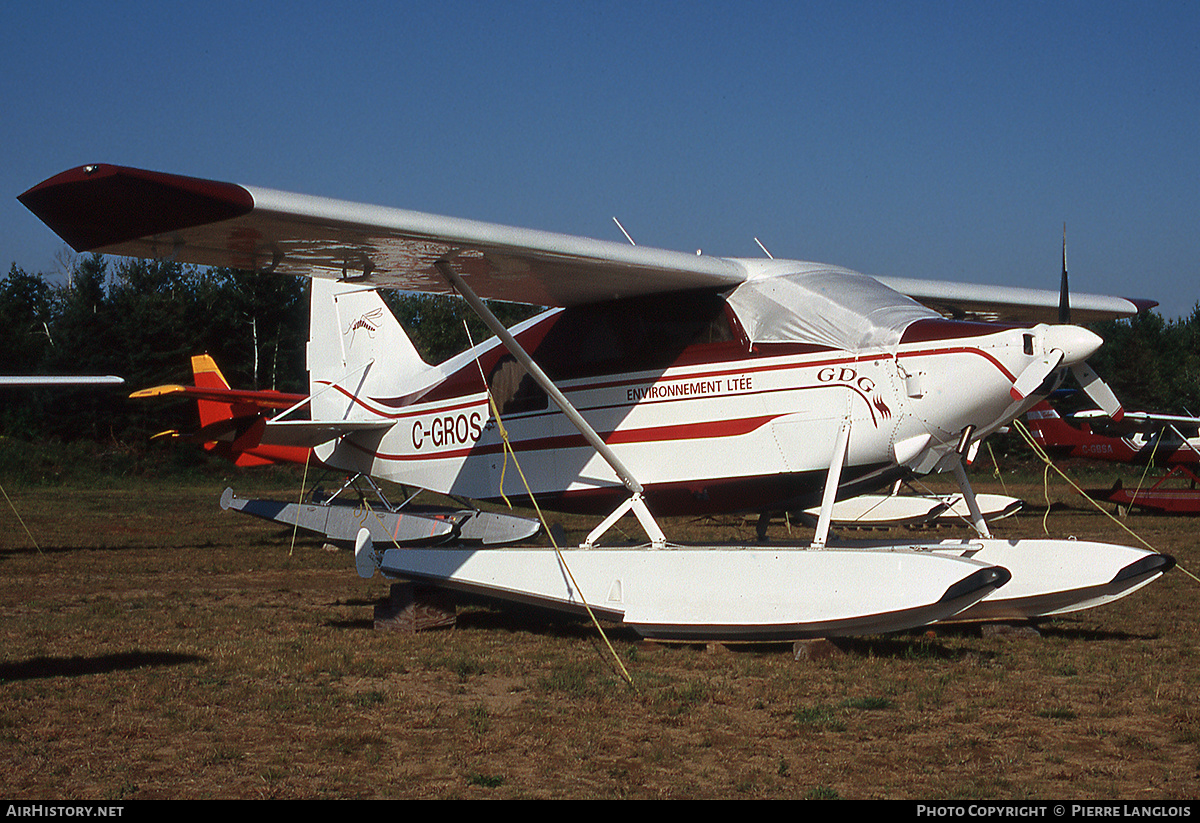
705 419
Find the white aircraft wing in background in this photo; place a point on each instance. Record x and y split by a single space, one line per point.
46 380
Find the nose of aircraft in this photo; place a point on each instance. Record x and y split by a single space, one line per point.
1076 343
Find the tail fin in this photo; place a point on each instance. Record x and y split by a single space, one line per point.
206 375
1050 430
359 358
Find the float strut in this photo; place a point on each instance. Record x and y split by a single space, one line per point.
968 493
836 462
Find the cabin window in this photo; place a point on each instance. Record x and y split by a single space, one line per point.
634 334
513 389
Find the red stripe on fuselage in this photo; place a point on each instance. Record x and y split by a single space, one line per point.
628 382
653 434
649 434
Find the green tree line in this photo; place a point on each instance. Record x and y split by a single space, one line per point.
143 320
1152 364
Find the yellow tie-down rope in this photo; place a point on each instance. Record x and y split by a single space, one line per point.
21 520
1045 458
300 502
508 450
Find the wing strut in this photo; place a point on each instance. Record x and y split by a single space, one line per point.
636 503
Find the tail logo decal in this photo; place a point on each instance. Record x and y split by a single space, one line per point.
367 322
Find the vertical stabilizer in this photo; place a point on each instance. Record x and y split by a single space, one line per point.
1050 430
359 358
206 375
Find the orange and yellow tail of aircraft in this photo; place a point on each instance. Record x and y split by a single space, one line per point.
231 420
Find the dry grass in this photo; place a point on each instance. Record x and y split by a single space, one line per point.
156 647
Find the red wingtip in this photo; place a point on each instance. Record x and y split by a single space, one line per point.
99 205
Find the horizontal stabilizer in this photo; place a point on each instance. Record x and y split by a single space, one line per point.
262 399
341 523
315 432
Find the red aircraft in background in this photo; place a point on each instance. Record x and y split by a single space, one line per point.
1139 438
232 420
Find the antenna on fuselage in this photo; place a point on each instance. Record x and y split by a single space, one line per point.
764 248
622 228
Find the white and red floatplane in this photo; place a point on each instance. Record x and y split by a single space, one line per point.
655 383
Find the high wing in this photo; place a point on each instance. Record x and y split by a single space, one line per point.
1012 304
132 212
116 210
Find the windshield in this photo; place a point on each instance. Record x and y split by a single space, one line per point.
827 306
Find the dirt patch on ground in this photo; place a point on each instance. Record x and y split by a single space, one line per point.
156 647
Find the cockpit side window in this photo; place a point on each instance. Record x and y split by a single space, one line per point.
633 334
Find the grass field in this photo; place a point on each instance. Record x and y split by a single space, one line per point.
157 647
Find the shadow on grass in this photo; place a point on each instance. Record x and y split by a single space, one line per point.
1080 633
41 667
474 615
11 552
523 619
903 647
480 614
541 622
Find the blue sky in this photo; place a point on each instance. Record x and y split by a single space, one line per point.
944 140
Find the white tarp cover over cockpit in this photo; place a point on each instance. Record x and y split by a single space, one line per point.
824 305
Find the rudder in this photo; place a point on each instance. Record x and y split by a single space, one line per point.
357 347
207 375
